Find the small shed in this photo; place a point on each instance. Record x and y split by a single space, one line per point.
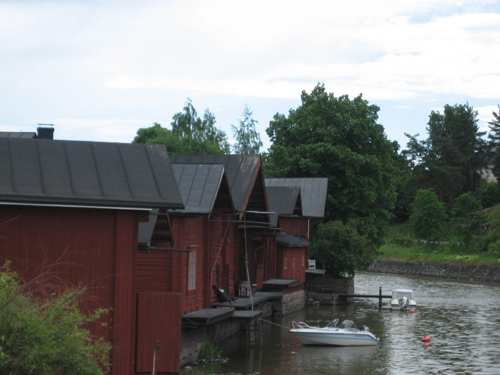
256 245
72 209
295 202
200 251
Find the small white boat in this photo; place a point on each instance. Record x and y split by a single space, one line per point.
403 300
346 334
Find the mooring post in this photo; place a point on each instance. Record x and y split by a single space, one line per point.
380 297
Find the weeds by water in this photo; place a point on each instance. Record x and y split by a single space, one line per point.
210 352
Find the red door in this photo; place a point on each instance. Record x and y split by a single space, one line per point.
158 332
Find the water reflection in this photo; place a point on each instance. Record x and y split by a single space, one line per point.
462 320
330 360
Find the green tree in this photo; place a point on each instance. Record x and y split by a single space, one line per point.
340 139
466 219
341 249
47 335
428 214
247 138
450 159
190 134
488 194
494 137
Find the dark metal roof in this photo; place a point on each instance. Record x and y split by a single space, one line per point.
291 241
281 200
240 171
313 193
198 185
17 135
52 172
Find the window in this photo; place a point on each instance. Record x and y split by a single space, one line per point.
192 270
293 263
285 264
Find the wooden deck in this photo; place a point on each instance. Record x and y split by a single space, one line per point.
278 284
245 303
206 317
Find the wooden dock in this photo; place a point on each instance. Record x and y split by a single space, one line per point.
379 296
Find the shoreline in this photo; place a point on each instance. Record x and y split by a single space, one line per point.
462 272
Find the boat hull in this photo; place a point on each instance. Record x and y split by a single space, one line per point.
396 306
335 338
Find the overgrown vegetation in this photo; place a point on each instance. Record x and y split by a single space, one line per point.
210 352
44 333
482 245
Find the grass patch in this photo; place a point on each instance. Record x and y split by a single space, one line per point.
436 254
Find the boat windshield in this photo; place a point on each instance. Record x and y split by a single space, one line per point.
332 324
348 324
397 294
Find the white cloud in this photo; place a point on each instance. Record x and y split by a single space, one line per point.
103 59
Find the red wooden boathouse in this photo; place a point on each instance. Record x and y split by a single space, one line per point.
73 208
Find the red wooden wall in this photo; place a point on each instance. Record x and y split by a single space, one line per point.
295 226
158 324
95 247
213 240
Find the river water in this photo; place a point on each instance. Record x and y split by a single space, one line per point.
461 319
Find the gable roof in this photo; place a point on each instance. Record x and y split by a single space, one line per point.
240 170
283 200
38 171
198 185
313 193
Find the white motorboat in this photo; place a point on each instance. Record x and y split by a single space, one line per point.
403 300
346 334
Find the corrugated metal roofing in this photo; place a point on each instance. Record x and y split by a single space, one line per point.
198 185
18 135
281 200
313 192
86 173
240 171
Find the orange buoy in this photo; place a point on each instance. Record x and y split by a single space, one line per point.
426 339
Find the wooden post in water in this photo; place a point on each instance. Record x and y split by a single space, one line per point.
380 297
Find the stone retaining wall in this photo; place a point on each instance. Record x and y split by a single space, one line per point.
290 303
489 274
325 290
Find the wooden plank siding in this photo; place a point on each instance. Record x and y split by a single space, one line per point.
271 256
154 271
157 317
94 247
295 226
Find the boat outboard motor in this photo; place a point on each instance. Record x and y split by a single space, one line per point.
403 303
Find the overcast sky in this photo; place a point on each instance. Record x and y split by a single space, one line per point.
100 70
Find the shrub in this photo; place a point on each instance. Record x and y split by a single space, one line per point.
44 334
210 351
403 241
